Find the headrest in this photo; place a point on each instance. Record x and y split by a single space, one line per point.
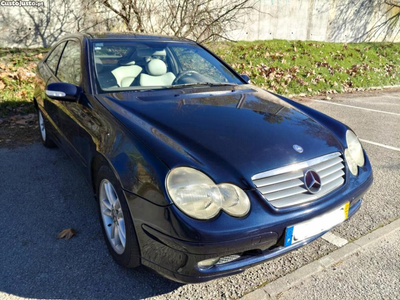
144 52
156 67
99 64
126 62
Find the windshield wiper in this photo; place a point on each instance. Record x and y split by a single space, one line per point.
201 84
157 88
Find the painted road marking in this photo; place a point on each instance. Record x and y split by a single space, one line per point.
381 145
363 108
334 239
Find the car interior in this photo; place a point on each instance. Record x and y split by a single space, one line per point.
142 66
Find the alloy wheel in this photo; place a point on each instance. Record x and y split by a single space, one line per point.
112 216
42 126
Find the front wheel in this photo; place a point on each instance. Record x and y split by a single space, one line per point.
116 221
47 142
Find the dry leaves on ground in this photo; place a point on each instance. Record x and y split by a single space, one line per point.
66 233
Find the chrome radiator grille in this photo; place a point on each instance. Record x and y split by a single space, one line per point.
285 187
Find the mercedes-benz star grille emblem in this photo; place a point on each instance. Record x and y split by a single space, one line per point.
298 148
312 181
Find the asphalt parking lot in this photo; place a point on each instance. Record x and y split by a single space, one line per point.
42 193
348 278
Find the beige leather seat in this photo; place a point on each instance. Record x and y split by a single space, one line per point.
157 74
125 75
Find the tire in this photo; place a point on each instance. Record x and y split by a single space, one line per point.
110 212
44 137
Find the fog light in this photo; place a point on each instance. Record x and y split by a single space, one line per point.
226 259
208 263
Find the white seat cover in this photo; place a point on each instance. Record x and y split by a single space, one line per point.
125 75
157 74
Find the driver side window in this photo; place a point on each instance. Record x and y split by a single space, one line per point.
69 68
54 57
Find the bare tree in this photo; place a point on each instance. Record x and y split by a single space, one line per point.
44 25
52 20
202 20
40 25
131 12
388 25
205 20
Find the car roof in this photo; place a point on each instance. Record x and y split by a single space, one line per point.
127 36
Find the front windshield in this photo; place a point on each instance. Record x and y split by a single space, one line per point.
145 65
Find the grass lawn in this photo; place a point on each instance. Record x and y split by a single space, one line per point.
294 67
284 67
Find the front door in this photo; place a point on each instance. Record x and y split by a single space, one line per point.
47 71
69 70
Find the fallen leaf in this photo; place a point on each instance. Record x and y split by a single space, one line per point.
21 122
2 85
29 117
66 233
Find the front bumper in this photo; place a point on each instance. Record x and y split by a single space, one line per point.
172 244
188 272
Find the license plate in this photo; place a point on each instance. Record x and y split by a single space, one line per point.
309 228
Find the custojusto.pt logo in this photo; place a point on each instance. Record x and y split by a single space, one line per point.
22 3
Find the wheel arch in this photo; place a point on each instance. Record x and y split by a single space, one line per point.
35 104
97 162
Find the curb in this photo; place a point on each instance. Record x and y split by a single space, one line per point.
353 91
274 288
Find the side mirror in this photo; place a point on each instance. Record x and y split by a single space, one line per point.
245 78
63 91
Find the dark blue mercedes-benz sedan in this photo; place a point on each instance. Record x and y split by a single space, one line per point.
197 173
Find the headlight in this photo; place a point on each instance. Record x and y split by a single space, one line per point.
199 197
354 153
351 163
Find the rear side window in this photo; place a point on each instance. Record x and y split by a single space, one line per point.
54 57
69 69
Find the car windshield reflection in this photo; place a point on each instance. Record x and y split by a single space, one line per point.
146 65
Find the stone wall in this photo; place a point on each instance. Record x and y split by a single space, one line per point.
319 20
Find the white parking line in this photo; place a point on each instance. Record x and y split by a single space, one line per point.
334 239
381 145
363 108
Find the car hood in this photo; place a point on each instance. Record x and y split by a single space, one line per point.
231 133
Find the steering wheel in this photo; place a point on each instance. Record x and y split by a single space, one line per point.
185 73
